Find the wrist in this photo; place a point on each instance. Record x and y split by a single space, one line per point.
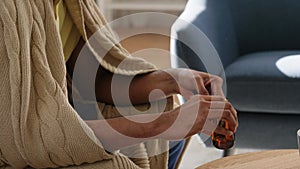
168 82
163 123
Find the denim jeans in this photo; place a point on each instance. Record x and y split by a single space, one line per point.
176 148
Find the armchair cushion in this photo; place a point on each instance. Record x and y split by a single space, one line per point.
255 84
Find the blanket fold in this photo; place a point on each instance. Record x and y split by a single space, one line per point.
38 126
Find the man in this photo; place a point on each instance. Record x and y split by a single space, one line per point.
39 127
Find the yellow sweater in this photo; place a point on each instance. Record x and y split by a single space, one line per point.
67 29
38 126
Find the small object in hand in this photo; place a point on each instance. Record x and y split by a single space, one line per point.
220 141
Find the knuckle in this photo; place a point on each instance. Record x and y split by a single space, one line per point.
219 78
227 114
198 79
205 103
205 106
229 105
201 98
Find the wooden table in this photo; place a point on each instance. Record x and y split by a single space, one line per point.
274 159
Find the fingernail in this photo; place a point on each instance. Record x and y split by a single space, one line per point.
230 133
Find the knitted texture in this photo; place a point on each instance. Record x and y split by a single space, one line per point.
38 127
94 30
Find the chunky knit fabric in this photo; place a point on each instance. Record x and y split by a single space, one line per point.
38 127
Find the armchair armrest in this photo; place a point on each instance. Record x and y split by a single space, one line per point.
203 37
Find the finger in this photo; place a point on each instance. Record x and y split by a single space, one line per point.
212 126
209 126
223 131
201 89
226 114
216 89
223 105
204 75
219 104
213 102
204 101
231 108
231 120
228 117
215 84
186 94
234 112
213 98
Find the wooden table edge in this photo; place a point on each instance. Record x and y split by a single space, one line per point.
279 152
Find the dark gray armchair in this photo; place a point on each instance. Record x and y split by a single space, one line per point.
250 36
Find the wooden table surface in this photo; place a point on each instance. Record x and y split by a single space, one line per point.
273 159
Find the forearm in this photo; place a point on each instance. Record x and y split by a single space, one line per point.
121 132
125 90
144 86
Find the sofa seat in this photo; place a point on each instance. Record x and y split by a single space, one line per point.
255 84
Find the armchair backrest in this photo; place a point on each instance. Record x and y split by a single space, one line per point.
212 17
266 24
238 27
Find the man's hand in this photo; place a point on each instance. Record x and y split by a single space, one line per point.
169 81
191 82
199 114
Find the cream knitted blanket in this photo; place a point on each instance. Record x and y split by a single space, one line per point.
38 127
